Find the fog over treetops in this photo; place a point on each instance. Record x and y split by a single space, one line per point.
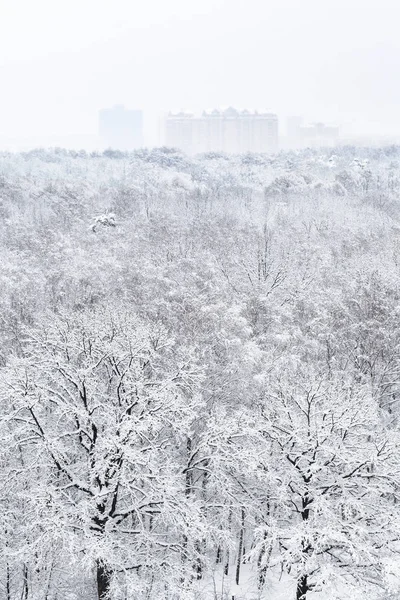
61 62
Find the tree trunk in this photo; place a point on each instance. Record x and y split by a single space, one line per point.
263 557
8 583
198 566
240 550
302 588
226 566
302 583
103 581
25 588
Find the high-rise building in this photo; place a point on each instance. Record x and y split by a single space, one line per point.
314 135
294 125
120 128
228 130
318 135
179 130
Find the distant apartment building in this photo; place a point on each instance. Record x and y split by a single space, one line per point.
228 130
319 134
294 125
179 130
316 135
120 128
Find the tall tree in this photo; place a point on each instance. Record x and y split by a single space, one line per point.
102 406
329 468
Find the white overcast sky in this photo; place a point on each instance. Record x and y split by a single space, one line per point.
62 60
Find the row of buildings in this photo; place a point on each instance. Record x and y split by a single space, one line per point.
217 130
226 130
300 135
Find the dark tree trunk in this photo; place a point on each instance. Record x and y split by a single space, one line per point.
25 589
302 583
201 545
302 588
240 550
198 565
103 581
188 492
8 583
263 557
226 566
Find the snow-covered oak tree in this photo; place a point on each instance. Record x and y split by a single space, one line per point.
328 480
99 408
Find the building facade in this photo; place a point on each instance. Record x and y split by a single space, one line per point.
179 130
319 135
316 135
120 128
228 130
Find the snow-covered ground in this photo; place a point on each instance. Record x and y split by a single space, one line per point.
278 586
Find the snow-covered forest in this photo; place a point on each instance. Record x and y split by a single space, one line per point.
200 375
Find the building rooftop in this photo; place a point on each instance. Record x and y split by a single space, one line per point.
181 113
225 112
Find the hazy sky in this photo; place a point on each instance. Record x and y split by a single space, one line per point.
62 60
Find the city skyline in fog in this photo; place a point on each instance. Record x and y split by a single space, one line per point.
60 63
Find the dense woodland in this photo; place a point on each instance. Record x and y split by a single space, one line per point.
200 375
